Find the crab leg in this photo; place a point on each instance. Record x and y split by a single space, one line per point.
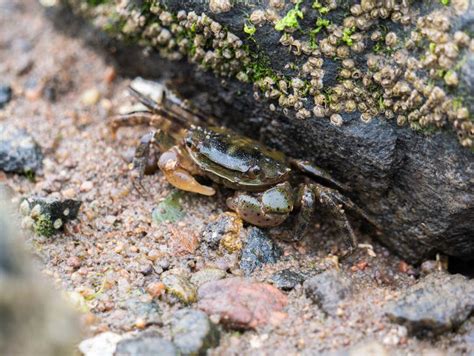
333 202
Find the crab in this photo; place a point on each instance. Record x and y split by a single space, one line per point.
271 189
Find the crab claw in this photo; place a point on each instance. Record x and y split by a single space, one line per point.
179 177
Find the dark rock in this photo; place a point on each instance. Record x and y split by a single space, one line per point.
225 229
258 250
328 290
146 344
19 153
416 188
49 215
65 210
438 303
287 279
242 304
193 332
5 95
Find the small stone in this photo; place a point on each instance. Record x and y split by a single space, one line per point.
86 186
259 250
143 312
147 343
5 95
438 303
19 153
90 97
180 287
242 304
100 345
371 348
69 193
207 275
328 290
155 289
227 229
286 279
74 262
193 332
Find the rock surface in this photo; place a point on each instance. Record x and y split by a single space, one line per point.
258 250
438 303
146 344
328 290
19 153
242 304
417 189
193 332
287 279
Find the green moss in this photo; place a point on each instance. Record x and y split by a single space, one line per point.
290 20
444 2
249 29
44 226
347 36
323 10
320 25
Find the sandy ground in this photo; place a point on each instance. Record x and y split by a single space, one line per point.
114 250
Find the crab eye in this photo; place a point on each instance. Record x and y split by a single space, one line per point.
254 171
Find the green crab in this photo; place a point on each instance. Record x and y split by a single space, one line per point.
268 185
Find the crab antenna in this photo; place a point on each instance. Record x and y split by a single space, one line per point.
171 108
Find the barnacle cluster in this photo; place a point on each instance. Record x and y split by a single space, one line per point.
390 60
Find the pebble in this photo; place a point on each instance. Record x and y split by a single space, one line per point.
5 95
286 279
69 193
155 289
259 250
179 286
90 97
193 332
438 303
103 344
147 343
242 304
328 289
207 275
74 262
143 312
86 186
19 153
224 232
369 348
